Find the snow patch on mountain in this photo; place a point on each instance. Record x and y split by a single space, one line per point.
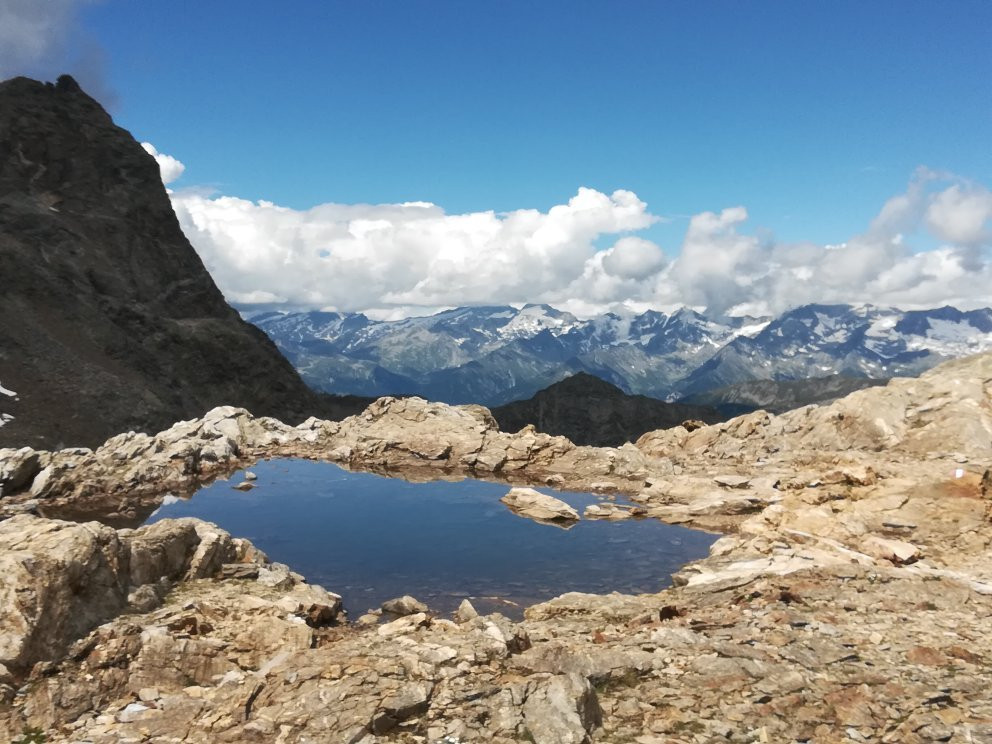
752 329
532 319
951 338
491 355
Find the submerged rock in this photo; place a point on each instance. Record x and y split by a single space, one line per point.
526 502
613 512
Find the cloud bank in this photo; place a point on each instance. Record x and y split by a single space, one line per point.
413 258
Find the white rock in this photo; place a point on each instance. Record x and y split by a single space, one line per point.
896 551
527 502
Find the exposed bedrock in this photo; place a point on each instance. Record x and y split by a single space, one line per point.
850 597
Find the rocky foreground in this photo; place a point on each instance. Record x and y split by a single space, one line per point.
849 600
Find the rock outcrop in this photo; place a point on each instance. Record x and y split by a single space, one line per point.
111 320
946 410
126 477
62 579
850 598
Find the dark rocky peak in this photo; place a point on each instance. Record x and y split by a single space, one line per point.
648 320
687 316
119 325
583 384
67 84
67 171
591 411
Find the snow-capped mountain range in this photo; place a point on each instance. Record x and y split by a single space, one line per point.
492 355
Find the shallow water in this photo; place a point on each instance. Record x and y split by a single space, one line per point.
370 538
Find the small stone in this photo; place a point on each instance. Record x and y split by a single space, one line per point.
896 551
405 605
144 599
132 712
926 656
733 481
250 476
243 486
403 625
239 571
465 612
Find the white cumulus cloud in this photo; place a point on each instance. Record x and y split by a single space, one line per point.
360 256
633 258
170 167
960 214
395 259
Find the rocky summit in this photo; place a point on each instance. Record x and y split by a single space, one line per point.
848 600
588 410
110 320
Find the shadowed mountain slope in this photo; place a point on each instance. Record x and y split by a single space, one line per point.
591 411
779 396
108 319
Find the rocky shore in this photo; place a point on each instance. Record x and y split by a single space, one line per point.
850 598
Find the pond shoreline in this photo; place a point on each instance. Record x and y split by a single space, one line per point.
851 589
440 541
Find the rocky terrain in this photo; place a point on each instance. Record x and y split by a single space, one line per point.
850 598
110 320
588 410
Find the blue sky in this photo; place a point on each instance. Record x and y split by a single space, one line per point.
811 114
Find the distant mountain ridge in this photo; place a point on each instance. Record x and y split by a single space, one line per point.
779 396
494 355
592 412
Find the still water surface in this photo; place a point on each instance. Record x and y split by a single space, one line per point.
370 538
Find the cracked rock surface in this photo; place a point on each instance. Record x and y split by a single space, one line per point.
850 598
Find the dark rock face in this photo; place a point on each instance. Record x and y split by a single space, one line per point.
110 321
590 411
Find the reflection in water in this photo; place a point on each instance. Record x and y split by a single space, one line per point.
371 538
